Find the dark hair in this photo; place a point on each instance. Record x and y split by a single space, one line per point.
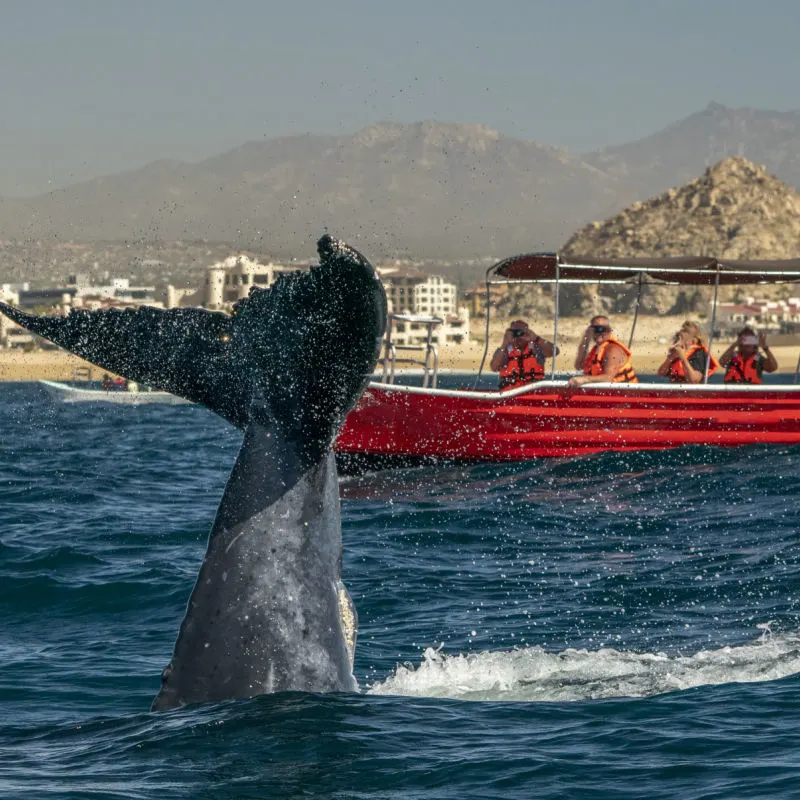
747 331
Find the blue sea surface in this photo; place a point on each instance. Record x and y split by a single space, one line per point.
614 626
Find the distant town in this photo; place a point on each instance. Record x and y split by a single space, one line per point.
410 291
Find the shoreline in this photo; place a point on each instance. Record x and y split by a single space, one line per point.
653 333
58 365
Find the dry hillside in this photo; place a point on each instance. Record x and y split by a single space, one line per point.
735 209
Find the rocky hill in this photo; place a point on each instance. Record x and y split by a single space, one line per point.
735 209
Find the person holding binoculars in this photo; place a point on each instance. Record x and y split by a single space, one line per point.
520 358
689 357
608 361
742 360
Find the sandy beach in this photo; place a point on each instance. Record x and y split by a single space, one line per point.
653 335
54 365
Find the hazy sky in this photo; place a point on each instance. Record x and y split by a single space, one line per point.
91 87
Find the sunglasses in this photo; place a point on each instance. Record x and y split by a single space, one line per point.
600 329
517 332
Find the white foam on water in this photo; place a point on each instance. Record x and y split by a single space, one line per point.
532 674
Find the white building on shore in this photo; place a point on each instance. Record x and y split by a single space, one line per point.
411 291
79 292
770 316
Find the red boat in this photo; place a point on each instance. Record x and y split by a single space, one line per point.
401 424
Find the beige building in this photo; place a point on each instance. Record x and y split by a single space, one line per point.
11 334
226 282
10 294
476 298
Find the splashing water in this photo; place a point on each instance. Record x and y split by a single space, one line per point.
533 675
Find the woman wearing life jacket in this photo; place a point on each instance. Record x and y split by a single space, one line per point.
743 361
686 359
608 361
520 359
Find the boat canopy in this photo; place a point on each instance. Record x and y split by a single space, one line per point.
695 270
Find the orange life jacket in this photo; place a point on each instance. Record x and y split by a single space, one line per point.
522 366
742 370
675 373
594 362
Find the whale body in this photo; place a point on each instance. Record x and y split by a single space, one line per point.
269 611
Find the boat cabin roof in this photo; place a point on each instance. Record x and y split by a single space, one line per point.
695 270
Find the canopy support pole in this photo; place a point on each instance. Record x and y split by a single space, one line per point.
486 343
555 325
713 325
636 312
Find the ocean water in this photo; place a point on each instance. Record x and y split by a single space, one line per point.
619 626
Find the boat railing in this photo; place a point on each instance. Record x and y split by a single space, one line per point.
429 362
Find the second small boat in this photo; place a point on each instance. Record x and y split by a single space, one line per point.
132 394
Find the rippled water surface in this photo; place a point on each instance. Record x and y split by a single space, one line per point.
617 626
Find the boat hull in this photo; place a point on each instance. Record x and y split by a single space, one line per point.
75 394
549 419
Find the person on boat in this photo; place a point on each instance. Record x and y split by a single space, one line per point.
607 361
743 361
107 382
520 358
686 359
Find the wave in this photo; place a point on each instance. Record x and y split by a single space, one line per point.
533 675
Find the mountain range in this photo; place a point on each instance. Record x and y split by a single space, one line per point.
428 189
